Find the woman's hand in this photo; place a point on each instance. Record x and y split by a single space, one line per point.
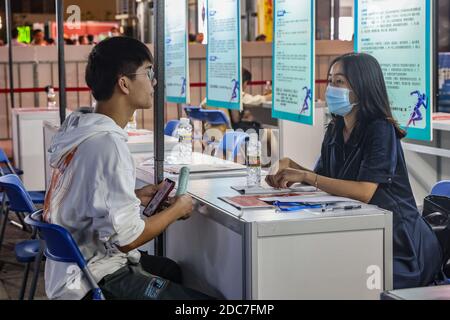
287 177
279 166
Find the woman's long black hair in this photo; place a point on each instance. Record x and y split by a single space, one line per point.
365 77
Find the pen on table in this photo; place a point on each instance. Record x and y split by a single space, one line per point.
349 207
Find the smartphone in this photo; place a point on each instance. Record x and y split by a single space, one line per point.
159 198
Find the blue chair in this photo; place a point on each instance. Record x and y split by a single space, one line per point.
6 168
5 165
61 247
441 188
215 117
231 143
194 113
171 126
28 251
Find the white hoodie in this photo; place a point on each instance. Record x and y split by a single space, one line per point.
91 195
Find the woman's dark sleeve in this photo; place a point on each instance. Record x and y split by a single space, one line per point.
320 165
380 154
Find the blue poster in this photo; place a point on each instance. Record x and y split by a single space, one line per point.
294 60
398 34
176 52
223 57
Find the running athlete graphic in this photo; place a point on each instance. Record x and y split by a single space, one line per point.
416 115
235 91
308 98
183 86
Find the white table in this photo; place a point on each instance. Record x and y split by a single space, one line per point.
28 143
145 168
262 254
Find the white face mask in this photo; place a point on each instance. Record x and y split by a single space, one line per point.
338 101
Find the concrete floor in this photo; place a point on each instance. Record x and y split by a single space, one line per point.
11 271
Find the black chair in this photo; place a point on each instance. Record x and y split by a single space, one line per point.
436 211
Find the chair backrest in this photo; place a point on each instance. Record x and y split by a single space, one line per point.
60 246
194 113
231 142
5 164
215 117
19 199
3 157
441 188
171 126
436 211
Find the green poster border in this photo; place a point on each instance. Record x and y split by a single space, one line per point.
425 134
218 103
308 120
180 99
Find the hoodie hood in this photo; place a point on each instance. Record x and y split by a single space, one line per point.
77 128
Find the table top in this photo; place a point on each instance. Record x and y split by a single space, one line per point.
209 191
146 136
144 167
443 125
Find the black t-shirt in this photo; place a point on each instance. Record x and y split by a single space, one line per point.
374 153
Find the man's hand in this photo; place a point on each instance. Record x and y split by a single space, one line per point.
182 205
146 193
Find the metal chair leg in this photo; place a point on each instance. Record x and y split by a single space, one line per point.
22 222
3 228
24 281
37 265
3 208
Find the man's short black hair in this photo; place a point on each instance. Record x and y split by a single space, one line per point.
36 31
261 37
246 75
110 59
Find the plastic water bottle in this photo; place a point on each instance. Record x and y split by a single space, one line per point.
132 123
253 161
51 98
184 136
268 87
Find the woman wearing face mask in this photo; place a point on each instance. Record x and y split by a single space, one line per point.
362 158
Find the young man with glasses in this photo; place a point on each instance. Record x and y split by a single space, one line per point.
92 189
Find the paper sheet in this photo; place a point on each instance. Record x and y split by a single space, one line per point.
310 199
